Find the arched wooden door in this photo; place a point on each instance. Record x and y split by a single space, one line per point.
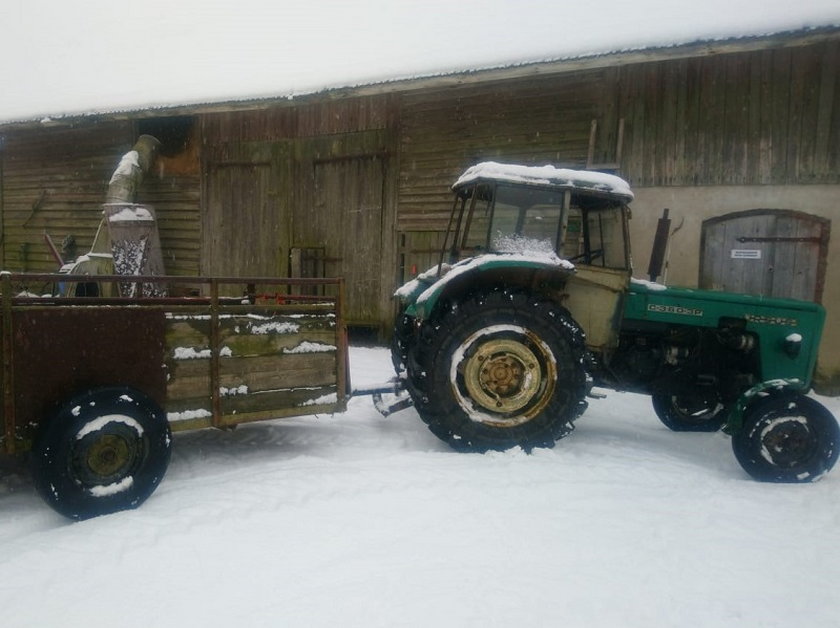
769 252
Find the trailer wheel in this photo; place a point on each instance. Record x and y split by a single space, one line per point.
700 411
503 370
787 438
105 450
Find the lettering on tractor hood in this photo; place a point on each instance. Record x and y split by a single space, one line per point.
674 309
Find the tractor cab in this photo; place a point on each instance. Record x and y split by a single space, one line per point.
501 208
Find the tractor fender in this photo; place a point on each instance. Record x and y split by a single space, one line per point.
464 273
771 386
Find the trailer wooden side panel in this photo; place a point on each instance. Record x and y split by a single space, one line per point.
272 361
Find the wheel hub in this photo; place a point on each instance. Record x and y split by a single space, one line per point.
108 455
788 442
506 378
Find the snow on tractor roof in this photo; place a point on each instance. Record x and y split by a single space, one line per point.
585 180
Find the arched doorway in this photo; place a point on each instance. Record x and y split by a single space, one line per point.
769 252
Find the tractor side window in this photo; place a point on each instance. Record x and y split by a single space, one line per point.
573 245
606 238
596 238
477 223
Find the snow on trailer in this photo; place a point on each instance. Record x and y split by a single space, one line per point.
94 386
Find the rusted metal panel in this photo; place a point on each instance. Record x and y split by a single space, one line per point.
59 352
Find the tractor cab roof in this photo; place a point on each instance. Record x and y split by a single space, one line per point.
608 188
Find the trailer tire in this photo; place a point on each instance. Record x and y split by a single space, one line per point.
104 451
690 413
787 438
502 370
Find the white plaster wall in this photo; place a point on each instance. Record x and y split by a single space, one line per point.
695 204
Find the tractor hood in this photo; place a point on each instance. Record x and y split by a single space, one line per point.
790 330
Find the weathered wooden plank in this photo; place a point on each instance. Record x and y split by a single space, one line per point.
257 375
737 117
184 385
780 107
796 103
280 402
807 67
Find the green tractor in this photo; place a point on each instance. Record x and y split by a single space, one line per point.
533 304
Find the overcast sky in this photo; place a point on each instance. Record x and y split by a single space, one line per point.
72 56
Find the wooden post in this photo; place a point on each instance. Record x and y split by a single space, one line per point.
8 405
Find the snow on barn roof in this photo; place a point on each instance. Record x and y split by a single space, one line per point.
61 59
547 175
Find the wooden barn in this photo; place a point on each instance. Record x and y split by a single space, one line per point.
739 139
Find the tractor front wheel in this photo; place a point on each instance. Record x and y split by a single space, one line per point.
787 438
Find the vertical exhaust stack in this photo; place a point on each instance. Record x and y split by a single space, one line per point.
132 168
127 241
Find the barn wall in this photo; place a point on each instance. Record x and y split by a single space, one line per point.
286 122
748 118
313 182
525 121
55 179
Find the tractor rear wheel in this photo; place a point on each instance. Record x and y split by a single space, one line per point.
502 370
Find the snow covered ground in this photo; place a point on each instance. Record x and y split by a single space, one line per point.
358 520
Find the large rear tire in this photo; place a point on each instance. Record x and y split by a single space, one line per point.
499 371
787 438
103 451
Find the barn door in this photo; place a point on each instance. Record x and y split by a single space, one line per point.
344 224
777 253
241 230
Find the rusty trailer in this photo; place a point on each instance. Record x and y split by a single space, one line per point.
93 386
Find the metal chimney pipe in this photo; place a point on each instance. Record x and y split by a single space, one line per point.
132 167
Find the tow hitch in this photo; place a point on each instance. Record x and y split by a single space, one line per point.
394 388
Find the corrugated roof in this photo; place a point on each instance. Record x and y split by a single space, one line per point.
181 103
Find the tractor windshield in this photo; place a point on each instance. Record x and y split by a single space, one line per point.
496 217
511 219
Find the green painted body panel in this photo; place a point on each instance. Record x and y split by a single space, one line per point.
772 320
421 295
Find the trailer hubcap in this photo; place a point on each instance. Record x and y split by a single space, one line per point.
106 455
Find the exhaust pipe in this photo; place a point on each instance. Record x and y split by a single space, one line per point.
132 167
